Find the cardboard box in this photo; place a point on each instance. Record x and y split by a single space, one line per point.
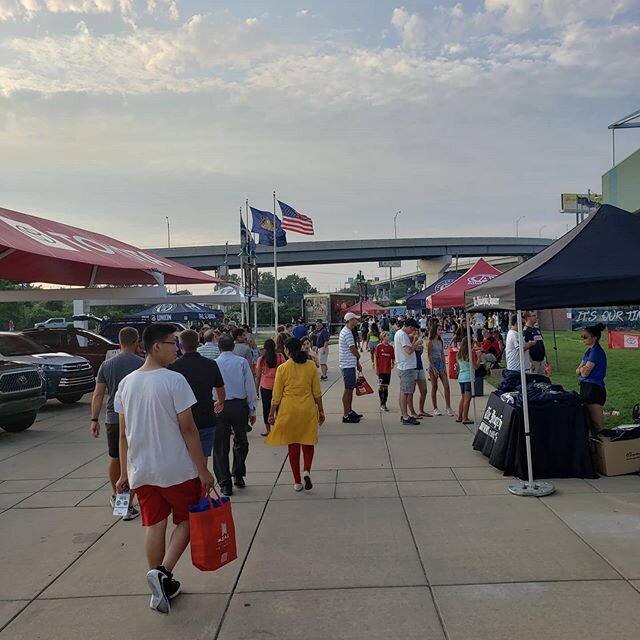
616 458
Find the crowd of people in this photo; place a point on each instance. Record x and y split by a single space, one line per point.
166 415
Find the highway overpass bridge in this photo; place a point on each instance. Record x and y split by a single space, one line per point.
210 258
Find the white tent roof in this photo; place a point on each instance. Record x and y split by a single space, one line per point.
233 294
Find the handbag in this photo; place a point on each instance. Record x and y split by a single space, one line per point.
363 388
212 533
452 365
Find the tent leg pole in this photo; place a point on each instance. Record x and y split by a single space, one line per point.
473 371
555 342
527 487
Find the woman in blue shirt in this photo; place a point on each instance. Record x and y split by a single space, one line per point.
592 372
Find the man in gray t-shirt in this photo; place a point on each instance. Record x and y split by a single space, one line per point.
110 374
242 349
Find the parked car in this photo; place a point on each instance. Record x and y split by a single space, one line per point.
53 323
22 393
78 342
67 377
111 328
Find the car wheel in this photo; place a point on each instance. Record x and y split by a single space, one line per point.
15 424
70 399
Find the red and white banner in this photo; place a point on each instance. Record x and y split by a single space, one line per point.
623 340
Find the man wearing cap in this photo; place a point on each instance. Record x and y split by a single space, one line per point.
349 360
406 342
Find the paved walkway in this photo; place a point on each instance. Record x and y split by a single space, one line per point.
408 533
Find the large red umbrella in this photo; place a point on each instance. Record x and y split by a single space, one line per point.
369 308
453 295
37 250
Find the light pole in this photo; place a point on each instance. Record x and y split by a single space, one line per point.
518 224
395 235
360 280
544 226
168 232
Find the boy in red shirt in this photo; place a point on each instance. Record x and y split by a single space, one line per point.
384 360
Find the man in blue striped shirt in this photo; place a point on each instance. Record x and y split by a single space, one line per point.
210 347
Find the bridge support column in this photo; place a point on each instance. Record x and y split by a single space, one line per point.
434 267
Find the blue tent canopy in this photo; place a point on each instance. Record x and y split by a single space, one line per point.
180 312
418 300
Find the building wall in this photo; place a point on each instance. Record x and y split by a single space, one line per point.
548 318
621 184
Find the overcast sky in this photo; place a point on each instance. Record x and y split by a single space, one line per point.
464 116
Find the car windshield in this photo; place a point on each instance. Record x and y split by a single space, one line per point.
18 346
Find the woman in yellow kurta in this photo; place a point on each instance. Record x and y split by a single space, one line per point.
296 410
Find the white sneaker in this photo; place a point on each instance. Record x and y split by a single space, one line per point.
450 412
297 487
436 412
132 514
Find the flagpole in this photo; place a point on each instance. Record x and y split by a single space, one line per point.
275 269
241 267
250 271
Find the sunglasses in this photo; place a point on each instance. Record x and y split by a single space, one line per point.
586 336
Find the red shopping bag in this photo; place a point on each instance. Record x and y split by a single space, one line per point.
213 533
363 388
453 363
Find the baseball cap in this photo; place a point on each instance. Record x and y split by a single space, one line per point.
350 316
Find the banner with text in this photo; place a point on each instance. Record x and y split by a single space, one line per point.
612 317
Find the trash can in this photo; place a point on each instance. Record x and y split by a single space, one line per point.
478 387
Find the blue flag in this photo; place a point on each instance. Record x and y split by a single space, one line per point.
247 243
263 225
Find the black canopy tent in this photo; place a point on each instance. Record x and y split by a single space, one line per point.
419 300
594 264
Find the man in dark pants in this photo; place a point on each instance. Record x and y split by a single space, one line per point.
203 377
239 411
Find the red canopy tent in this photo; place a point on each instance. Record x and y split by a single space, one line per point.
368 308
453 295
37 250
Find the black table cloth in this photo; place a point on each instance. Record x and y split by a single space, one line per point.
559 440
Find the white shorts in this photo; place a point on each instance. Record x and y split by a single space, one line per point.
323 355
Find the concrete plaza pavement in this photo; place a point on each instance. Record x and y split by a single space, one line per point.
408 533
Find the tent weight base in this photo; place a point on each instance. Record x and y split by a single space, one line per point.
536 488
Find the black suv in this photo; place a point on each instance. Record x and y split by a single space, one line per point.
22 393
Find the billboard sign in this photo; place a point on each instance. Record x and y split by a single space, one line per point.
316 308
580 202
395 264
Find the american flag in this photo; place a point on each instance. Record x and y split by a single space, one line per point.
294 221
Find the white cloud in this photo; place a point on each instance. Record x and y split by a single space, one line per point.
457 11
523 15
302 13
410 26
171 7
27 9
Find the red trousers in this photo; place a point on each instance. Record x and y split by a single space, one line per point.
294 459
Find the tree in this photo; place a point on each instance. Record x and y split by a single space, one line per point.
290 295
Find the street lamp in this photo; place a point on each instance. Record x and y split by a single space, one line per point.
518 223
395 235
544 226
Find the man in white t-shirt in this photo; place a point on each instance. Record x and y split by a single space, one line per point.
511 349
160 457
349 360
406 341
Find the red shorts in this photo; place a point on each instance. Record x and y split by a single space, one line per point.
156 503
